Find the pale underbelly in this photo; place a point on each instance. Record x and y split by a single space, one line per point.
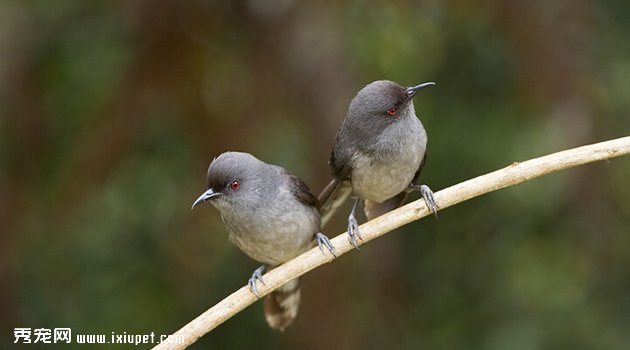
380 181
276 241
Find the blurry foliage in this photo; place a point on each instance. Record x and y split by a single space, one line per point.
111 111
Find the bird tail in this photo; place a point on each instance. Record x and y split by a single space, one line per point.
373 209
281 305
331 198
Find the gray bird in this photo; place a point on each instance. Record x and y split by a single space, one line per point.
379 152
271 216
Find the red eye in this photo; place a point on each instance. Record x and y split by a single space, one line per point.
392 111
235 185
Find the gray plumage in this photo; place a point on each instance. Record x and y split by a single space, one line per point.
380 164
270 215
379 151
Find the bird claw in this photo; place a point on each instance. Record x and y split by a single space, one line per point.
353 226
323 241
353 231
427 194
256 276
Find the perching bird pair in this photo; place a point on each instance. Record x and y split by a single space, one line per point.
272 216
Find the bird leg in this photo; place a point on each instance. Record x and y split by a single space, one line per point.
427 195
353 226
256 276
323 241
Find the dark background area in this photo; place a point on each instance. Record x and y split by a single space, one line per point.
110 112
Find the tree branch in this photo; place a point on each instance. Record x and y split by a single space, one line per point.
508 176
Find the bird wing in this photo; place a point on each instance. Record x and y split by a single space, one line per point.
341 156
300 190
339 189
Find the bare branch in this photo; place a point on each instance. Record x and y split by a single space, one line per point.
508 176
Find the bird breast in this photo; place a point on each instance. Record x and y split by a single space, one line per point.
283 229
385 170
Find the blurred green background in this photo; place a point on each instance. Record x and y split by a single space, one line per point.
110 112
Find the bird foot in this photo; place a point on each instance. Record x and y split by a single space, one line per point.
323 241
427 195
353 231
256 276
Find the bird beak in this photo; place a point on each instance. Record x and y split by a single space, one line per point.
205 196
411 91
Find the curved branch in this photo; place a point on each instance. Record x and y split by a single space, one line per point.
511 175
